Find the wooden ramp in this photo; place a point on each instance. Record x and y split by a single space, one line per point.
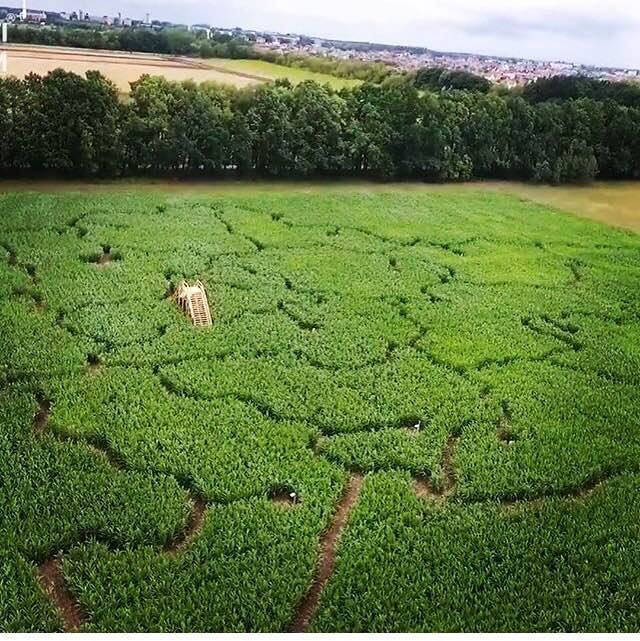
193 300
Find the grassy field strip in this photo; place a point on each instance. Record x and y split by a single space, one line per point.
611 203
271 71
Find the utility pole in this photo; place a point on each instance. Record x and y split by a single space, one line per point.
3 54
24 9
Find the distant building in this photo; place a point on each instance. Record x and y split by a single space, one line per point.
36 16
105 20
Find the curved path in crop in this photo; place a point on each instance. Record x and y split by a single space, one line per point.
50 572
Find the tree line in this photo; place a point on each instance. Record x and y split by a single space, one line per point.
180 41
173 41
71 125
437 78
363 70
571 87
427 78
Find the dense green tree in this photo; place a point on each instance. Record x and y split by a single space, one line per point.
179 127
71 125
18 141
572 87
370 131
486 128
318 118
148 125
436 78
619 149
68 124
271 132
201 128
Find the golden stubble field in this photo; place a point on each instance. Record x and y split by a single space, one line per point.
613 203
120 67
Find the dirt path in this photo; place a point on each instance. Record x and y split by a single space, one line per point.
52 580
424 487
50 574
191 531
327 559
104 260
41 418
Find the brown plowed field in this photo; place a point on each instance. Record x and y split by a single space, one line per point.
119 66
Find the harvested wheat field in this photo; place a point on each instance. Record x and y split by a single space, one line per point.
412 412
119 66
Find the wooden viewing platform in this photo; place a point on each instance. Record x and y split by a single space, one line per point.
193 300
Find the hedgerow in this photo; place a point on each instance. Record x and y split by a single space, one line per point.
78 126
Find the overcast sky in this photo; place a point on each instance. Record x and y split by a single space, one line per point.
604 32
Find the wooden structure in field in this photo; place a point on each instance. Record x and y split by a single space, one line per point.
193 300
